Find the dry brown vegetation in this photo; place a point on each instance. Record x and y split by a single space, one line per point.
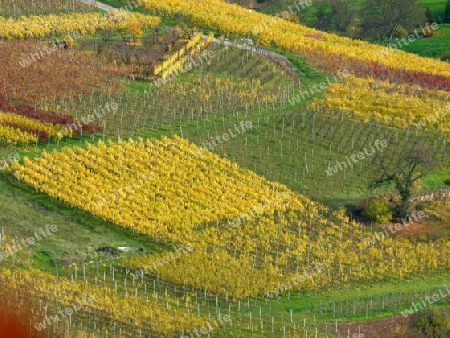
51 72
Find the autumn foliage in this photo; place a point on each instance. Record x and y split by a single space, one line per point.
63 73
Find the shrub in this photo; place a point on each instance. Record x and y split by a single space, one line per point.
400 31
399 331
447 181
378 210
431 323
445 57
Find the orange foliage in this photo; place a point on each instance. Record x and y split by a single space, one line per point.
47 73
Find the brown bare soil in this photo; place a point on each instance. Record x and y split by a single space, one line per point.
420 230
387 327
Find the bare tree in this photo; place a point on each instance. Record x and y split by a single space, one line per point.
403 171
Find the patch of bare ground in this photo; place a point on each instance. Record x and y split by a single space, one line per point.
420 229
387 327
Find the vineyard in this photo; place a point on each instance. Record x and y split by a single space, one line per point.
386 102
205 173
86 23
36 7
216 202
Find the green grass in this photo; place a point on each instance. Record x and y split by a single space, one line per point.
79 233
434 47
308 75
138 86
436 6
436 179
362 293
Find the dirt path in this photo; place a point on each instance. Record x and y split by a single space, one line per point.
104 7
